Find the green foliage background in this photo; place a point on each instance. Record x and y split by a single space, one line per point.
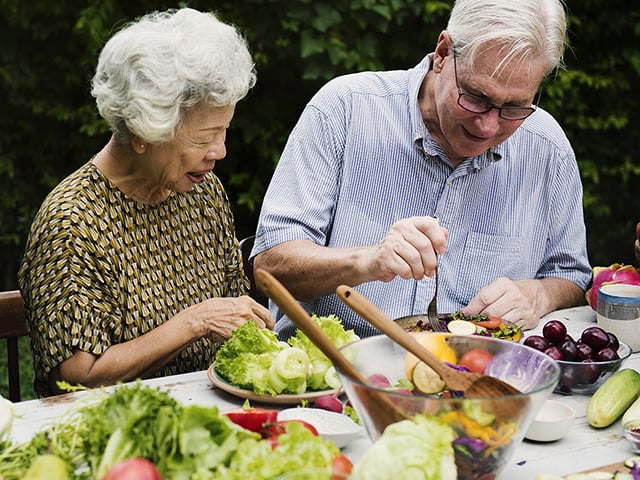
49 125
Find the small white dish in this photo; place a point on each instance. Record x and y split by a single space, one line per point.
338 428
553 421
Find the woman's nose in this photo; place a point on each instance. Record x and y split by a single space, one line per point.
217 151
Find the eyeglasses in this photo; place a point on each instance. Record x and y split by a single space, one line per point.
475 104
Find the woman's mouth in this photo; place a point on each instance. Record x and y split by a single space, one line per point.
197 177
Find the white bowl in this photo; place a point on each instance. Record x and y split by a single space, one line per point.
553 421
333 426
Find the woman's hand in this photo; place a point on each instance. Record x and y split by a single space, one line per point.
221 316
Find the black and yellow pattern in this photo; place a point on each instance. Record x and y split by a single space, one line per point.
100 268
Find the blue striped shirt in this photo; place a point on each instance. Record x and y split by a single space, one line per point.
360 158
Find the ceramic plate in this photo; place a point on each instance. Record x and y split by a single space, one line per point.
333 426
284 399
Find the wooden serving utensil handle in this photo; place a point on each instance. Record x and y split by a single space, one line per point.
454 379
281 296
381 410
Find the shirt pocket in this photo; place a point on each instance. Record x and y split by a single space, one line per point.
486 257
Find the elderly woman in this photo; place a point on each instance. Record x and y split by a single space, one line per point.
132 268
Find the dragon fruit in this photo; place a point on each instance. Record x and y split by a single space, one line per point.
616 273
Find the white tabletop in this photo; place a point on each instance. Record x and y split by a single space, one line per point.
582 449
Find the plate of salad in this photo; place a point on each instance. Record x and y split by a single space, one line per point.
255 365
463 324
281 399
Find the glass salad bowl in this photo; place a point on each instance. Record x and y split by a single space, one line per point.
464 438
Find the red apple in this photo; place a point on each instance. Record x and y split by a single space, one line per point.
133 469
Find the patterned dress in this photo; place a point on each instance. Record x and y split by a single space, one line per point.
100 268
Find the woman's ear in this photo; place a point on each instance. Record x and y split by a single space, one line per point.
138 144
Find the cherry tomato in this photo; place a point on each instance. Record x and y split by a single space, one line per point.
254 419
341 467
490 322
476 360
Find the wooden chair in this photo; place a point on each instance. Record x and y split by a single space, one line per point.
246 244
13 325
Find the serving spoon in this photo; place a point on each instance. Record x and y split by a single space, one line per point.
472 385
380 408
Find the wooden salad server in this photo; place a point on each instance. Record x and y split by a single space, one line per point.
382 410
473 385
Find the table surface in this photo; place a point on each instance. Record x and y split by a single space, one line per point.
584 448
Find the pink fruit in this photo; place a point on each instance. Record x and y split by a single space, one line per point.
133 469
616 273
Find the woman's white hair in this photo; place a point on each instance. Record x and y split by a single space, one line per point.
154 69
524 30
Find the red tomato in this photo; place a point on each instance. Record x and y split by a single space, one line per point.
476 360
254 419
491 322
133 469
341 467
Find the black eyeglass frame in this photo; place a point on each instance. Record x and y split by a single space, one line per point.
502 110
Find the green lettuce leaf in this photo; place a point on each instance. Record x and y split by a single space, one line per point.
416 449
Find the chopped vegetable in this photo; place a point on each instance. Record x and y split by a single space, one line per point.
416 448
254 419
298 453
131 421
255 360
320 364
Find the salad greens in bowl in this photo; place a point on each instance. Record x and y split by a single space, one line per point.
455 437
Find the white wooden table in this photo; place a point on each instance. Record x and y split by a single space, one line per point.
582 449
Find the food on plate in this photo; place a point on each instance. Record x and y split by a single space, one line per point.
463 324
611 400
253 359
406 442
135 468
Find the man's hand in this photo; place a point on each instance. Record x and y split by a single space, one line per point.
523 302
408 250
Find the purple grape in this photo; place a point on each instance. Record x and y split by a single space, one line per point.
554 331
554 352
595 337
614 343
569 349
537 341
607 354
583 351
